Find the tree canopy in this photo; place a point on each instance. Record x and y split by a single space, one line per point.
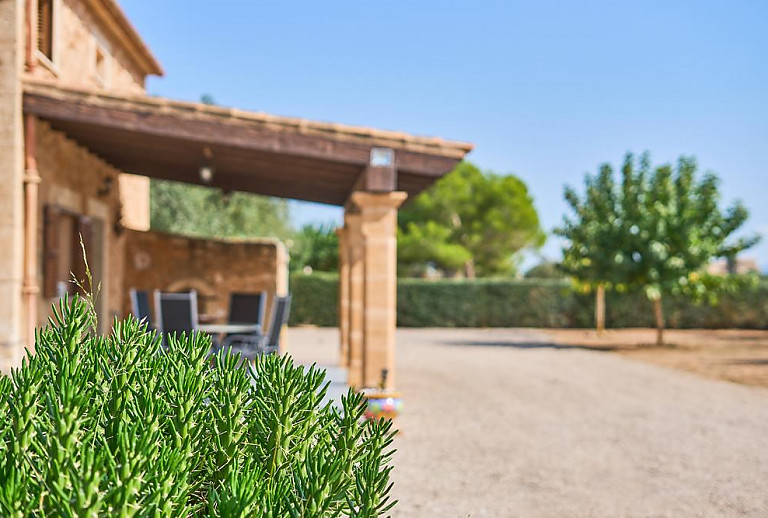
657 230
545 270
595 233
469 221
206 212
316 246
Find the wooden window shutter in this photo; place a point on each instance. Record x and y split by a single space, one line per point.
84 232
51 250
45 27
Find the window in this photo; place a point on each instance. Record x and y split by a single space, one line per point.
45 28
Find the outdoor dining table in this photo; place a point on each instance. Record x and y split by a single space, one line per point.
229 328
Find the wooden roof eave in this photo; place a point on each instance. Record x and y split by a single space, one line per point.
322 157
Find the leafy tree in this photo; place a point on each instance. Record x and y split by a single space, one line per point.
469 221
120 425
316 246
429 242
545 270
200 211
593 236
668 227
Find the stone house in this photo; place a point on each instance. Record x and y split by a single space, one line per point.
79 140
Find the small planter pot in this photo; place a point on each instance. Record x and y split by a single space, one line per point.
382 404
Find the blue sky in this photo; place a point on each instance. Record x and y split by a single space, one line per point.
545 90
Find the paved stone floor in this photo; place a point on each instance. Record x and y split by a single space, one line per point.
504 422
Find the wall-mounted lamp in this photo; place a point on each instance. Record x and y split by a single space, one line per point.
206 174
206 170
381 174
382 157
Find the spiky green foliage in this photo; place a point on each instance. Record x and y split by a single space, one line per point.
656 230
120 426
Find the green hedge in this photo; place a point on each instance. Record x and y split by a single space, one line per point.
481 303
525 303
315 299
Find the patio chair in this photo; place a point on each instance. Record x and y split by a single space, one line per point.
140 306
250 346
176 313
280 313
247 308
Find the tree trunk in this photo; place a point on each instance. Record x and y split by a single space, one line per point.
469 269
600 309
658 309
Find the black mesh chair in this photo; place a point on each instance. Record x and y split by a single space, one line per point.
247 308
280 313
250 346
176 313
140 306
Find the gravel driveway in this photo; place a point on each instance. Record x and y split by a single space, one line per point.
501 423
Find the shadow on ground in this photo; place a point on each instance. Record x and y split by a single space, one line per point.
747 361
527 344
746 337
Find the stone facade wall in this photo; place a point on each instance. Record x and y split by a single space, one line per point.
77 181
76 36
214 268
11 182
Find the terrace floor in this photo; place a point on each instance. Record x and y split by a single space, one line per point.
510 422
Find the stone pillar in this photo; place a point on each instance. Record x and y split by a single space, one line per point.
11 183
343 297
379 229
134 201
355 245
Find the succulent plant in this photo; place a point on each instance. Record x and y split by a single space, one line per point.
119 425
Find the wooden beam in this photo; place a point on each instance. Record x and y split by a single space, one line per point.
100 138
263 184
156 122
159 141
162 156
205 131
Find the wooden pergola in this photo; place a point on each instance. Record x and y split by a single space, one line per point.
275 156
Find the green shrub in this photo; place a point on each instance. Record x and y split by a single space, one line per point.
528 303
118 426
481 303
315 299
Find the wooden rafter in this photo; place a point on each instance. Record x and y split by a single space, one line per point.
249 152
